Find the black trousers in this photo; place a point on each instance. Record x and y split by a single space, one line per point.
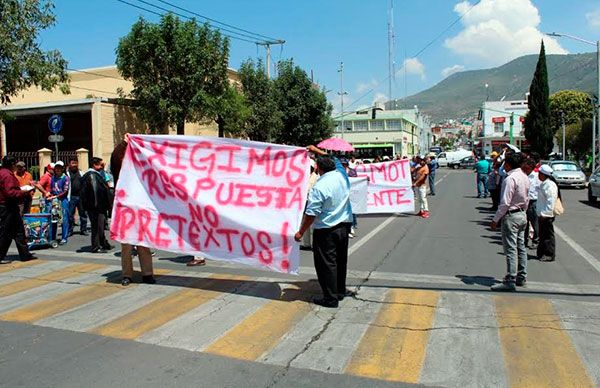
547 244
330 248
11 228
495 194
97 222
532 220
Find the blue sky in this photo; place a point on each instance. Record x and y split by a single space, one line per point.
320 34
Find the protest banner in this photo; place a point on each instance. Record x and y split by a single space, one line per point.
359 194
226 199
389 187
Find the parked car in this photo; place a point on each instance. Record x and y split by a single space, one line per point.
568 174
452 156
594 186
468 162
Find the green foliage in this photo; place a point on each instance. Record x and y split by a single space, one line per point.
575 105
233 113
265 120
178 69
22 62
445 143
306 112
537 121
35 172
578 138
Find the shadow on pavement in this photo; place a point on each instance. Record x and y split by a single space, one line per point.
487 281
590 204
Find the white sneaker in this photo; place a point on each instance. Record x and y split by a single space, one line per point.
351 234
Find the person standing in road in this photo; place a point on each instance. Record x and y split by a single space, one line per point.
59 190
482 168
44 183
95 199
493 181
512 212
420 185
330 213
351 174
25 179
547 196
75 177
11 222
432 164
528 168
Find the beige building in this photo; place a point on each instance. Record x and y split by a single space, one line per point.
93 117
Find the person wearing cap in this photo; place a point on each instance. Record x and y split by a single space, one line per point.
11 222
512 212
420 185
59 190
548 194
44 183
25 179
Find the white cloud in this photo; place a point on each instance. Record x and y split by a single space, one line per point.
413 66
593 19
365 86
379 97
497 31
448 71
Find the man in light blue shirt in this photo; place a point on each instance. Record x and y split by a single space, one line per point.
330 213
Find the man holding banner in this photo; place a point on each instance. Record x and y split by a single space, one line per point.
330 213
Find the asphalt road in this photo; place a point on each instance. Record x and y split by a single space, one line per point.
424 312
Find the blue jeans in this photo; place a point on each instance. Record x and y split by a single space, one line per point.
482 185
65 221
75 204
431 178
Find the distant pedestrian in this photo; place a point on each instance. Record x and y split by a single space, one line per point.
11 222
432 164
548 194
351 174
59 191
95 199
482 168
330 213
75 177
25 179
512 212
528 168
494 181
420 185
44 183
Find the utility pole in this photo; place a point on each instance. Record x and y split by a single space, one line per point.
597 108
267 45
594 137
391 37
562 119
512 123
341 93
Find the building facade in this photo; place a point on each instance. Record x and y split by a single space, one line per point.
498 117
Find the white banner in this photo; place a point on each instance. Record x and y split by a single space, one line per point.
226 199
358 195
389 187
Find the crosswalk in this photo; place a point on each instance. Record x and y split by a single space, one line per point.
447 338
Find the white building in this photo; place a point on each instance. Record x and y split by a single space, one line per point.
498 117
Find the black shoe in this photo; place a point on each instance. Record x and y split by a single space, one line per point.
546 258
432 194
148 279
521 282
29 258
108 247
126 281
326 302
84 233
507 285
99 250
347 294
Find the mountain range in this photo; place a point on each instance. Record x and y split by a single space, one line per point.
461 94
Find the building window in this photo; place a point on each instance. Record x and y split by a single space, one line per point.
376 125
361 126
393 125
337 126
499 127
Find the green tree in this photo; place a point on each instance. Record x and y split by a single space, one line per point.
22 62
306 112
537 121
178 69
265 120
575 105
233 113
578 138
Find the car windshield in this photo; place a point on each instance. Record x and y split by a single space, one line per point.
565 167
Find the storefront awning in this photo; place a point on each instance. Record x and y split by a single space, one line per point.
377 145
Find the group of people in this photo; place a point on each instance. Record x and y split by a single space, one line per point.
423 169
526 200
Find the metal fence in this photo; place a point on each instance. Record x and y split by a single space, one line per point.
66 155
30 159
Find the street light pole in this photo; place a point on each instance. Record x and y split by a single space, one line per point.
342 93
562 119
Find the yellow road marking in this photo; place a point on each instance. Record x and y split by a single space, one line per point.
54 276
169 307
537 350
393 348
19 264
261 331
61 303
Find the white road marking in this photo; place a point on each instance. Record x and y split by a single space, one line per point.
579 249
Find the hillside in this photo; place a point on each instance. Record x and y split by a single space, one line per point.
461 94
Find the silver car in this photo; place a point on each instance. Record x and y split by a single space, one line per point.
568 173
594 186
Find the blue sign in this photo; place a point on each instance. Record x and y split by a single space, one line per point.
55 124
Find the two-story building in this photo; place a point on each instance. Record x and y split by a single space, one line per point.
499 118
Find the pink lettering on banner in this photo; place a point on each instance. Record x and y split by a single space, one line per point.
397 171
228 199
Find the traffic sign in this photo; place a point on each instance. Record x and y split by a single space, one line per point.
56 138
55 124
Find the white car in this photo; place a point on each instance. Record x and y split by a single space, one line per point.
594 186
568 174
452 156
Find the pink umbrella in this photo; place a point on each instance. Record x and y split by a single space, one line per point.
336 144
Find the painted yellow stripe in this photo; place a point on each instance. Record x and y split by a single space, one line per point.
19 264
393 348
261 331
54 276
169 307
61 303
537 351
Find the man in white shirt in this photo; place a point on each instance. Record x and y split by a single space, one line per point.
547 196
528 168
